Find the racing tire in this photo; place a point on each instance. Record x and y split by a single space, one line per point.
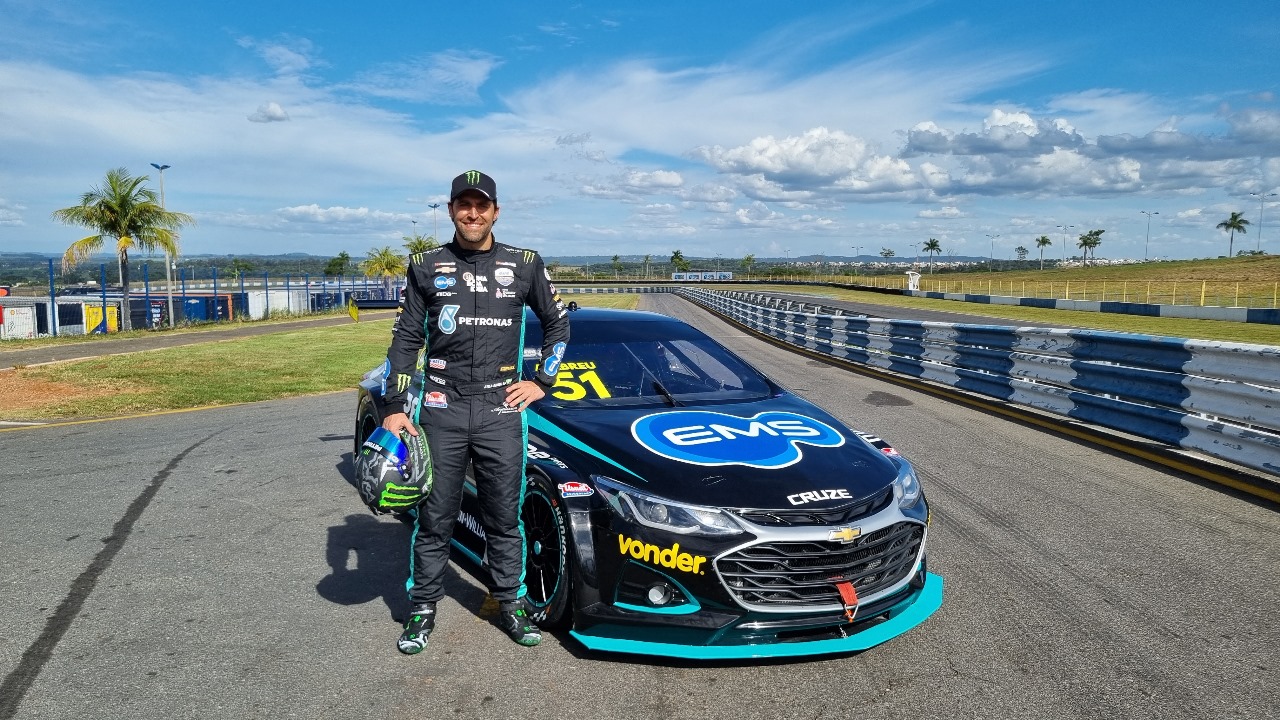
366 422
548 576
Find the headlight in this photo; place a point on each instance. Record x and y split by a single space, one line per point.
655 512
906 487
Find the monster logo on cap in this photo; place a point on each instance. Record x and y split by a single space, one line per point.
474 180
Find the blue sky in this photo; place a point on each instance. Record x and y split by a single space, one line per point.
643 127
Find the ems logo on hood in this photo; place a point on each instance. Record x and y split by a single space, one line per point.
770 440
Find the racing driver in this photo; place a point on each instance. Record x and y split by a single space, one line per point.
465 301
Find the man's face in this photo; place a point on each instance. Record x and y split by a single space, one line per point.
473 215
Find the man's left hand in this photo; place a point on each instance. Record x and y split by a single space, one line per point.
521 394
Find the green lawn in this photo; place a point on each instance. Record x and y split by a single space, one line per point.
264 367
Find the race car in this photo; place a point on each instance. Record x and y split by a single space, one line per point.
680 503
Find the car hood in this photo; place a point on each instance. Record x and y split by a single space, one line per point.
777 453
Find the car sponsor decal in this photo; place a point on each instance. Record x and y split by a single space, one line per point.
769 440
436 399
503 293
666 557
534 453
438 364
574 488
441 282
504 276
818 495
552 364
447 322
445 267
475 283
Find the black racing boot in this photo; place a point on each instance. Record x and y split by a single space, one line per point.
513 618
422 620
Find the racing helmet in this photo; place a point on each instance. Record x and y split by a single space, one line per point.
393 474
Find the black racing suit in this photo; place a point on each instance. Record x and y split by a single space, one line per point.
468 308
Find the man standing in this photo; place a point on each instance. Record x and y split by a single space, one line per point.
465 301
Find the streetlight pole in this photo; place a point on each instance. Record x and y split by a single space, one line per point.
1148 241
1262 200
168 263
993 250
434 236
1064 229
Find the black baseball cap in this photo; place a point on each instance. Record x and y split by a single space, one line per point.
474 180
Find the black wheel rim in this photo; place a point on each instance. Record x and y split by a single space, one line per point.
544 555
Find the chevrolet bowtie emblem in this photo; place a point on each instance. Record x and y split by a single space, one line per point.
844 535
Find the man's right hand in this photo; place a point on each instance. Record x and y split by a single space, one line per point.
396 422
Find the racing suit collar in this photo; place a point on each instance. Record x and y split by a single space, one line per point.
471 255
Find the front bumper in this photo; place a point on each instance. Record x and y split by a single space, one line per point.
907 613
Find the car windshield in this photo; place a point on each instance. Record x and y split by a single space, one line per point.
654 363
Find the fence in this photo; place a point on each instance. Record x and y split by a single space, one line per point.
1218 398
1198 293
80 309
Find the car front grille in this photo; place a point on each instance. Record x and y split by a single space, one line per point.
835 516
795 574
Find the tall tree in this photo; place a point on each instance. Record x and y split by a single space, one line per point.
617 266
384 263
338 265
1235 223
931 247
1089 243
1042 242
419 243
886 253
126 211
647 260
748 261
1021 252
678 262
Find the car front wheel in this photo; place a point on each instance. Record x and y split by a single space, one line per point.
548 565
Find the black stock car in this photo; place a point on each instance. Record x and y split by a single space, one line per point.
680 503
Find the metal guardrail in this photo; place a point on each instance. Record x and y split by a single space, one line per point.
1218 398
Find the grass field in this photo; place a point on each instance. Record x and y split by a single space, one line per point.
1252 281
1004 315
285 364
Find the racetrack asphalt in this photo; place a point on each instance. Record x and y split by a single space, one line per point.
218 564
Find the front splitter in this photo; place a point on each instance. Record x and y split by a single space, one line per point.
910 613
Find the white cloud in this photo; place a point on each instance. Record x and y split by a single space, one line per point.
949 212
11 213
338 215
271 112
445 78
287 56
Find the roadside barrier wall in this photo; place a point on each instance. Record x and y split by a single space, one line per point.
1218 398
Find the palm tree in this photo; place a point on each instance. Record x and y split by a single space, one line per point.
678 262
931 247
419 243
617 266
384 263
1235 223
338 265
1089 243
1042 242
122 209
